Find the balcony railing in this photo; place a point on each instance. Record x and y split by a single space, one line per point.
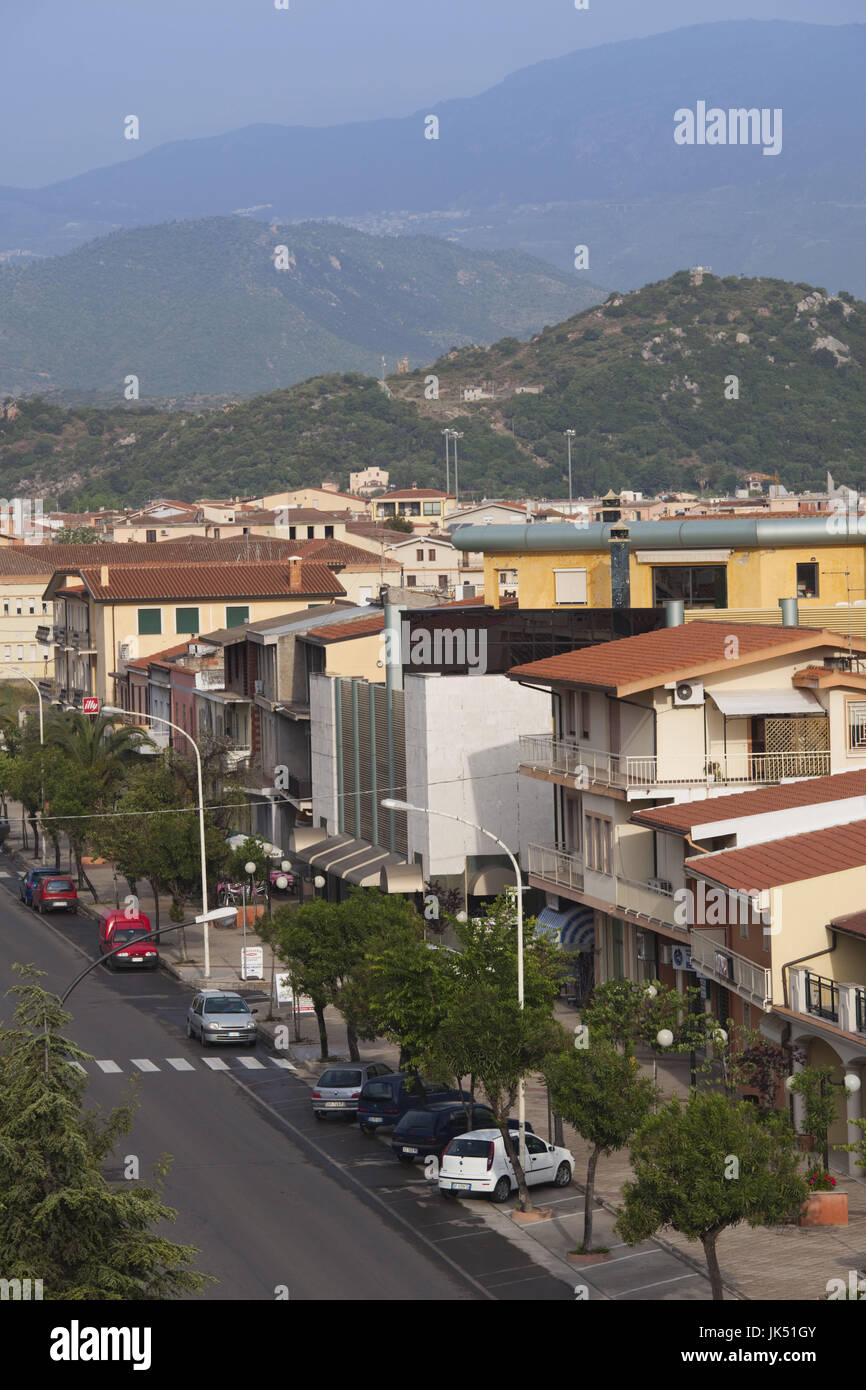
822 997
734 971
838 1002
646 899
593 765
556 864
860 1009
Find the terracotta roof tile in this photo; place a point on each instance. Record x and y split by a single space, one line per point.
355 627
854 922
639 663
800 857
215 581
810 791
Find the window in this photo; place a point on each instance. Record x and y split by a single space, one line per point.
216 533
186 620
410 581
443 581
856 726
32 652
150 536
18 607
45 608
293 530
20 653
431 555
432 508
419 556
807 580
569 586
149 622
699 586
311 533
7 653
598 832
747 1014
329 533
236 617
584 714
31 605
6 608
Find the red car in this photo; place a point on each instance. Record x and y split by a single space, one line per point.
55 891
133 934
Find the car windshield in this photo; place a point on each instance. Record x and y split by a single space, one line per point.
377 1090
59 885
225 1004
340 1078
418 1121
469 1148
124 934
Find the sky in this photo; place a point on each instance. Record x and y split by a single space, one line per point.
73 71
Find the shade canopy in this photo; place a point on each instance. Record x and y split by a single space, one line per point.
742 703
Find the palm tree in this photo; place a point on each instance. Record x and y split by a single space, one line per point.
96 744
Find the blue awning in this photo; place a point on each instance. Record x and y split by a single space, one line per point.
574 929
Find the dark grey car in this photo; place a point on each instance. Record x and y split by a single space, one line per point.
337 1089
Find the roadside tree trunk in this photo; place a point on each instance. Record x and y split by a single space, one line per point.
319 1011
589 1196
708 1241
352 1039
512 1147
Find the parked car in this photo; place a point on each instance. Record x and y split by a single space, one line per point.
217 1016
384 1100
55 891
116 928
29 882
477 1162
337 1089
429 1131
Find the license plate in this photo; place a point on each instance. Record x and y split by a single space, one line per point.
374 1120
408 1150
464 1186
333 1105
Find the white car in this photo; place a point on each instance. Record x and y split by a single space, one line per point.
477 1162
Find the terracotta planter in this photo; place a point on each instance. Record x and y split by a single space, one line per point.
252 914
580 1260
825 1209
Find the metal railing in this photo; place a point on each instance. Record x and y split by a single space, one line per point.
860 998
645 899
822 997
557 864
730 969
594 765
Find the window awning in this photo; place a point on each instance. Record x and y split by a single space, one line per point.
490 882
740 703
357 861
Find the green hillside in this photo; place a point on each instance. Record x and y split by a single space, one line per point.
641 379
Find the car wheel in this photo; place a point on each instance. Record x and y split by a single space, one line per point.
201 1037
188 1029
502 1190
407 1159
563 1175
366 1129
319 1114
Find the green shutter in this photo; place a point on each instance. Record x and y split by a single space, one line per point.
186 620
149 621
236 617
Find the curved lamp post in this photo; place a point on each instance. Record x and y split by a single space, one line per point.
205 916
390 804
217 914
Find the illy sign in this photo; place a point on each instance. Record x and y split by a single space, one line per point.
90 704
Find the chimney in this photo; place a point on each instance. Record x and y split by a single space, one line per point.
103 576
295 580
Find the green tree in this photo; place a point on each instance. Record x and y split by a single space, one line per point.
706 1165
399 523
61 1220
76 535
601 1093
820 1104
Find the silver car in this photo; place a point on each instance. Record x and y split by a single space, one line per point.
218 1016
337 1089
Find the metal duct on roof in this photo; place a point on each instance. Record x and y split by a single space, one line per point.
550 536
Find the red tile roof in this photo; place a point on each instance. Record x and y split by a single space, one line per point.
216 581
800 857
144 661
674 653
854 922
810 791
354 627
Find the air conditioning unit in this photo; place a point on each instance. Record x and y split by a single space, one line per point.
666 951
125 651
661 885
128 647
689 693
258 687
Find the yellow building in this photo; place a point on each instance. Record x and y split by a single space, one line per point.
424 507
708 564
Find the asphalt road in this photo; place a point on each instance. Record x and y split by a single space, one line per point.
270 1197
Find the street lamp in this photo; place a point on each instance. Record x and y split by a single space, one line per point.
249 870
391 804
455 435
158 718
447 435
569 434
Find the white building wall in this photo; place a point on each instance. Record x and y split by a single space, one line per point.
461 756
323 754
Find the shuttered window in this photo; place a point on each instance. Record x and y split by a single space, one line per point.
570 586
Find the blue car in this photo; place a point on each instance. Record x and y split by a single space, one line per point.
29 882
382 1101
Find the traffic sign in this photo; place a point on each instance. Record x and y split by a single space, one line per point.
90 704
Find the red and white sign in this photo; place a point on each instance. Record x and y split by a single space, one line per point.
90 704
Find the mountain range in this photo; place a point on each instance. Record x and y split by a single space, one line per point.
692 382
577 150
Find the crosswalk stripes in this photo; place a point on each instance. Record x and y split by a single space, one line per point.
231 1063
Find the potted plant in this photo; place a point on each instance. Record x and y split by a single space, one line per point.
824 1206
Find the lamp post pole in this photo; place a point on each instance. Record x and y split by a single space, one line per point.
569 434
158 719
447 435
391 804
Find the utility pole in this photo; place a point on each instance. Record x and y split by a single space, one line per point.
569 434
455 435
447 435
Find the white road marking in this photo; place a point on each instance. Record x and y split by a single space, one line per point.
657 1284
180 1064
143 1064
216 1063
284 1063
251 1063
108 1066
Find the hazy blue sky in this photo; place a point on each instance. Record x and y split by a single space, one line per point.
72 71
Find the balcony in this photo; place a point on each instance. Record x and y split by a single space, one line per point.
299 788
646 899
557 865
733 971
592 766
837 1002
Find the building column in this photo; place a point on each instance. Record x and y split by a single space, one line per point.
799 1103
854 1108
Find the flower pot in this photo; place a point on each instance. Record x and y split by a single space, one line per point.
824 1209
